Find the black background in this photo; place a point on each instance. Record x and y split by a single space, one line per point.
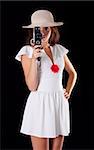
77 36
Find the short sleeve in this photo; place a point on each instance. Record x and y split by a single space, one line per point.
25 50
62 49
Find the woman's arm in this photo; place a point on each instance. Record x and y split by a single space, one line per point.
30 72
30 69
72 76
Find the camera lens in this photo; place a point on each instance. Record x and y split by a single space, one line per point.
38 42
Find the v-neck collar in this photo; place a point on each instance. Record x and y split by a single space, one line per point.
51 48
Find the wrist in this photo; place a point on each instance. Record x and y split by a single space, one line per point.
68 91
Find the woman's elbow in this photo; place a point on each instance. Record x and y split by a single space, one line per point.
31 86
73 74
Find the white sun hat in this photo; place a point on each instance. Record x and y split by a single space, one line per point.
42 18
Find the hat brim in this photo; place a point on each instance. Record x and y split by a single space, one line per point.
44 25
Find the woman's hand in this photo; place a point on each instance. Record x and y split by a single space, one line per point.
37 50
66 94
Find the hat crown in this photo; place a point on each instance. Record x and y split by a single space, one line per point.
42 16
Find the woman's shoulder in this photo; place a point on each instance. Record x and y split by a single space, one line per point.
60 46
24 50
26 47
62 49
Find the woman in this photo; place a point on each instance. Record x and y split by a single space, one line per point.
46 114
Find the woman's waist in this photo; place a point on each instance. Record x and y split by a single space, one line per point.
50 85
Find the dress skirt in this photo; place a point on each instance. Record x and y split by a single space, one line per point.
46 115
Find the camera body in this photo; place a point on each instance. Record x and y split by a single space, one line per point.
37 36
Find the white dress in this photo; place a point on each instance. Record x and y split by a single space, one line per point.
46 111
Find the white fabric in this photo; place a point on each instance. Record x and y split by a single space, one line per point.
46 112
25 50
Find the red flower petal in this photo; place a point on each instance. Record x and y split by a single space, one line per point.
55 68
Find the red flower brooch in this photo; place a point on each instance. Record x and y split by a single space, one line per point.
55 68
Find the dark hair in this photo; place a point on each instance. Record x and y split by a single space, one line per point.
54 38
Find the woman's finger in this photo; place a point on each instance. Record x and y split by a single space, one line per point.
64 90
37 47
38 50
65 93
32 42
37 53
67 96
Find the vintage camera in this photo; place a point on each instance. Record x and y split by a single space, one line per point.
37 36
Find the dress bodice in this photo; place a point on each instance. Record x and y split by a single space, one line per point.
48 80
